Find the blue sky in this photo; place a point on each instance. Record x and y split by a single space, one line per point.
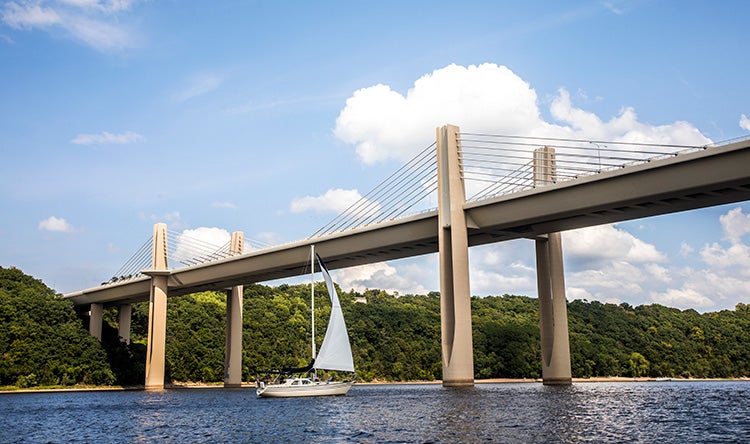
264 116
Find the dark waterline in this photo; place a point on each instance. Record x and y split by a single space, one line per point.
665 412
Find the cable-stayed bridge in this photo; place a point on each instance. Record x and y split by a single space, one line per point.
487 188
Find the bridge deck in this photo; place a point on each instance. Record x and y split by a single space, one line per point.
714 176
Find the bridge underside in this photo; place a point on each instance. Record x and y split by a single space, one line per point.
714 176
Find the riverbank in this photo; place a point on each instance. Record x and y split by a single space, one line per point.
246 385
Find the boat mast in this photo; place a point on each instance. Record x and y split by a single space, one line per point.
312 296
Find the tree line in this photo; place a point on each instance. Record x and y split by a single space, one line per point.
45 342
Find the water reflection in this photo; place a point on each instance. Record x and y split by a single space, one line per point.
507 413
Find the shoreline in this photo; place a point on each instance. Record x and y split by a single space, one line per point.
246 385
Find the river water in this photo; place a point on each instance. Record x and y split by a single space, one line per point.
648 412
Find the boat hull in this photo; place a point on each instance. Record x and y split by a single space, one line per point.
314 389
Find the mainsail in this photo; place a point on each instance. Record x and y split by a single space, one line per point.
335 352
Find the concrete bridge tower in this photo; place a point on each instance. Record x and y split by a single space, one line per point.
157 310
553 309
233 350
455 296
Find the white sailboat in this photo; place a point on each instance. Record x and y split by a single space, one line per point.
335 352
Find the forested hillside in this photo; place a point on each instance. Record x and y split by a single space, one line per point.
44 342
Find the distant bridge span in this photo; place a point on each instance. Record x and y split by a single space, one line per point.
552 201
714 176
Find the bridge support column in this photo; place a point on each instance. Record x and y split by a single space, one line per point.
233 350
157 311
553 310
123 322
455 296
95 321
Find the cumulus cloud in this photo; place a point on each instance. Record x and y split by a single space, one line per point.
508 267
686 249
407 279
107 138
384 124
94 23
199 242
684 297
744 122
737 255
604 263
735 224
56 224
724 273
606 243
623 128
334 200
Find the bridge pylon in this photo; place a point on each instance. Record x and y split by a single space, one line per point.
455 296
553 309
233 349
157 310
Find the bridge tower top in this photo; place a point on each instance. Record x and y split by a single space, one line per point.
159 252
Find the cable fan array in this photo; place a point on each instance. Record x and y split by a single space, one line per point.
183 248
491 165
401 191
504 164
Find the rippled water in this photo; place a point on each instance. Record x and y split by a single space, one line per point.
668 412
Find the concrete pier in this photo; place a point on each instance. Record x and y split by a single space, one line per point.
455 296
95 320
123 322
553 309
233 350
157 311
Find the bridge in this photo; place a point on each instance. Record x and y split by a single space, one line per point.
530 188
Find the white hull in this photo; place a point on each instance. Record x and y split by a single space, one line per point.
287 390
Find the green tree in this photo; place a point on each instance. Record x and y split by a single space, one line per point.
638 364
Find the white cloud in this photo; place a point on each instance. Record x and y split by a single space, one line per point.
229 205
725 274
686 249
737 255
198 85
106 138
606 243
602 263
56 224
735 224
623 128
507 267
334 200
683 298
744 122
28 15
199 242
384 124
91 22
407 278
